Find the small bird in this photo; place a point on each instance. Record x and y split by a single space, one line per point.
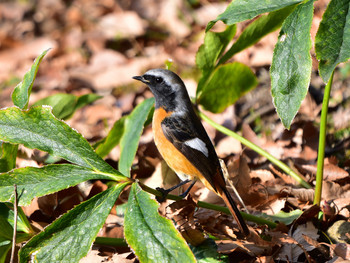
181 138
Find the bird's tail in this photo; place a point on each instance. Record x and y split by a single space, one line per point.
226 196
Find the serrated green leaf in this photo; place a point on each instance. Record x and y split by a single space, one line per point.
21 93
214 44
291 64
132 132
152 237
257 30
8 155
70 237
64 105
38 128
104 146
240 10
34 182
332 42
226 85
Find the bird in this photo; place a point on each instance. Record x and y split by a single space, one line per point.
182 140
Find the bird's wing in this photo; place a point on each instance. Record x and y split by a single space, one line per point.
190 138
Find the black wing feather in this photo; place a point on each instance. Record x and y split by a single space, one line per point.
183 128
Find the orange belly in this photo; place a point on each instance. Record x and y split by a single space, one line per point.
173 157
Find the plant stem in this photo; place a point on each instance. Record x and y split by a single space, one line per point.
248 217
322 141
257 149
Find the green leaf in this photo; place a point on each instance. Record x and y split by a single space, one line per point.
86 100
152 237
133 129
291 63
70 237
214 44
240 10
6 229
226 85
207 252
38 128
34 182
21 93
4 249
8 155
257 30
283 217
332 42
7 213
64 105
104 146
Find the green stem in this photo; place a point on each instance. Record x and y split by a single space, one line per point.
248 217
257 149
322 142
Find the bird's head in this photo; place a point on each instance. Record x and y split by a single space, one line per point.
167 87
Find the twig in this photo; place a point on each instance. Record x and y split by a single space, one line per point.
14 225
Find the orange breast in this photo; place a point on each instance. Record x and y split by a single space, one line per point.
173 157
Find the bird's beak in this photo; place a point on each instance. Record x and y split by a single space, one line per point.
141 78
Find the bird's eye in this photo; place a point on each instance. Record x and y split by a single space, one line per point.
159 80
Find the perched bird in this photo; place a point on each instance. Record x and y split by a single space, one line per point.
181 138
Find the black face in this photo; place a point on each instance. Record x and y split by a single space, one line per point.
158 86
163 93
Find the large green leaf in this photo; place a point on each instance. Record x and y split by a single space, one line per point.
38 128
70 237
333 37
34 182
64 105
8 155
226 85
104 146
240 10
21 93
256 30
132 132
291 63
152 237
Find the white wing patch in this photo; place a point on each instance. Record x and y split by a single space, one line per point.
198 144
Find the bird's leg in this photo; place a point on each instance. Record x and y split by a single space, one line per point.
184 194
165 192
